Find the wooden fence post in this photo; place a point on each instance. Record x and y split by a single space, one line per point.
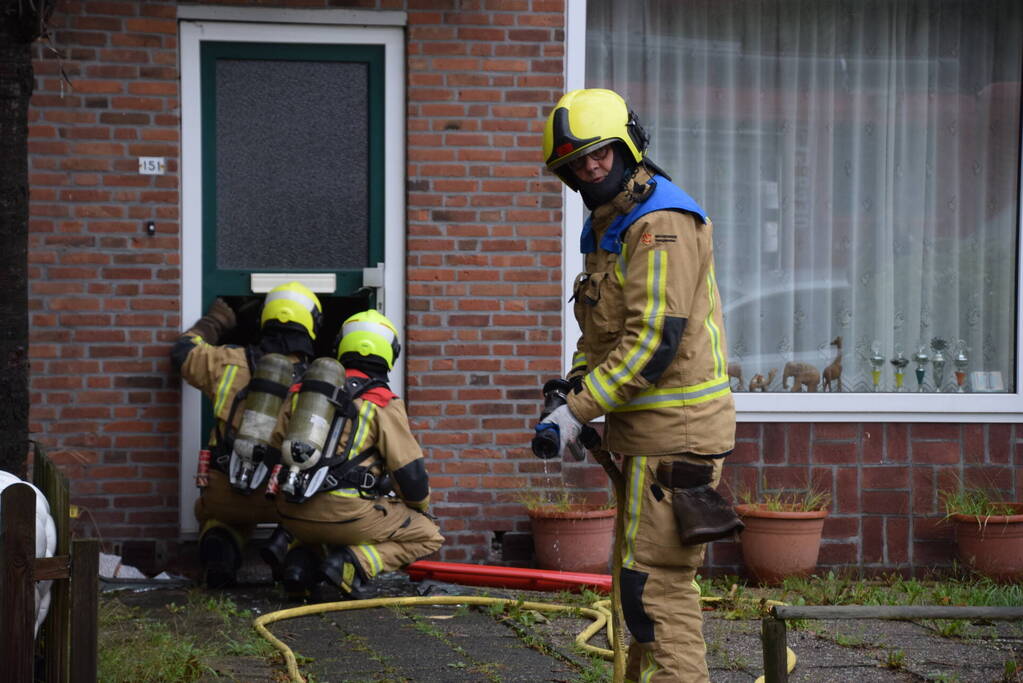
56 631
775 650
17 611
84 610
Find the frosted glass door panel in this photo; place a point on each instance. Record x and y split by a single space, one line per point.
292 165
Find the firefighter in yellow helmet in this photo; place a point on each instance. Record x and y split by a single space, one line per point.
359 490
233 502
651 358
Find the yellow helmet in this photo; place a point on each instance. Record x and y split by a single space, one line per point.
369 333
293 303
585 120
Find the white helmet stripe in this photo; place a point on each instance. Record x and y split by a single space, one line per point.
367 326
292 295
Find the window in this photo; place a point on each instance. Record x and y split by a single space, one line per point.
860 162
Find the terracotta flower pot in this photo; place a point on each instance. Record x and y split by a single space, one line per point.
993 546
778 544
574 539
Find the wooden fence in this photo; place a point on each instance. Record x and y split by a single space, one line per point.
68 637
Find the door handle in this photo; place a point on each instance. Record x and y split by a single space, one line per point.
373 280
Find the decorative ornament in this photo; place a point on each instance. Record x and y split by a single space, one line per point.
961 361
938 361
921 358
877 361
900 362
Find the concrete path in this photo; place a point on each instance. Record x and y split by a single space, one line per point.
455 644
441 644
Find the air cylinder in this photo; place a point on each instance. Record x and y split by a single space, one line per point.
267 390
314 413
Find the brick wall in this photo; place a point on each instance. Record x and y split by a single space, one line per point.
885 482
104 294
484 283
484 300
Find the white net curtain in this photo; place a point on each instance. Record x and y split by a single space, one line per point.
860 161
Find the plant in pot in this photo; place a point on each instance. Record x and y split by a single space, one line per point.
988 531
569 533
783 531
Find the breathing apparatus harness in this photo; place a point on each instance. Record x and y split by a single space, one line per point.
343 470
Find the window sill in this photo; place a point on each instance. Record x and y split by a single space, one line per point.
881 407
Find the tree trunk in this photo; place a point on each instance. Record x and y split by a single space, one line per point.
16 82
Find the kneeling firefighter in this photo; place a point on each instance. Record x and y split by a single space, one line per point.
651 358
247 386
353 479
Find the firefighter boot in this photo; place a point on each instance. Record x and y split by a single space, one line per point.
298 574
220 557
341 569
275 550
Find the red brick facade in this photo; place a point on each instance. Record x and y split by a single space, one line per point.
483 294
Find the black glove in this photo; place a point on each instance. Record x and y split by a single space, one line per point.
218 321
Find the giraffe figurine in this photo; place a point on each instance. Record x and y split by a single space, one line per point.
833 373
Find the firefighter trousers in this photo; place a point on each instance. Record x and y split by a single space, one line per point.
383 534
661 605
220 505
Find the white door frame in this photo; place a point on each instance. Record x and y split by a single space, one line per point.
391 36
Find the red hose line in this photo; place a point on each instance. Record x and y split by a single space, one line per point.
508 577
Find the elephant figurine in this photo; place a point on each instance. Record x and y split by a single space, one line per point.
803 374
758 383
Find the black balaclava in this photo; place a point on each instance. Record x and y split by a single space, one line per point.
374 366
285 338
622 168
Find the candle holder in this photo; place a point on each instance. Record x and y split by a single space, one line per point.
938 361
921 358
961 361
877 362
900 362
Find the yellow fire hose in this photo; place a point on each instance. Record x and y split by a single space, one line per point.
598 611
602 617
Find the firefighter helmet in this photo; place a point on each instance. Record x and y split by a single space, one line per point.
293 303
369 333
586 120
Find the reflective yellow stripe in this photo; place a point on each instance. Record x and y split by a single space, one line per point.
224 387
678 396
650 669
366 412
622 264
604 387
712 328
345 493
370 557
362 428
637 477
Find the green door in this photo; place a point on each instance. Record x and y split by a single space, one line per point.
293 175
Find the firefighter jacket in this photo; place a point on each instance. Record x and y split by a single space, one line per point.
652 351
380 435
221 373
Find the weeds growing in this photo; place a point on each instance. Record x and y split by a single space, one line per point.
146 647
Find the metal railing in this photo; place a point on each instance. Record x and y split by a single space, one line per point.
773 633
